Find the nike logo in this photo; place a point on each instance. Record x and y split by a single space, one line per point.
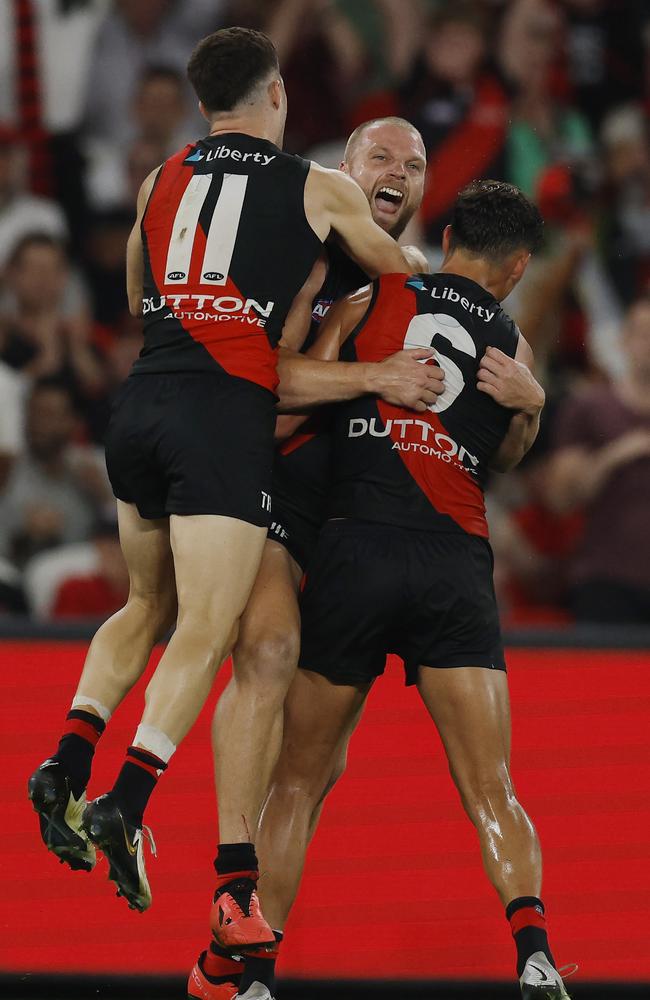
131 848
545 980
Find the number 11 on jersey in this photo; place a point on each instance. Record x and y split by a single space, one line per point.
222 230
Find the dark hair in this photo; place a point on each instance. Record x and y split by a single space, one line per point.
159 71
35 240
494 219
226 66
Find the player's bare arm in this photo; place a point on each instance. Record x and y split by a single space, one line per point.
335 203
134 260
297 323
317 377
510 382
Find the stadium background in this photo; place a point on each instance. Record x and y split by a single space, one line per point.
551 94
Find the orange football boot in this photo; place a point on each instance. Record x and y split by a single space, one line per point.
236 919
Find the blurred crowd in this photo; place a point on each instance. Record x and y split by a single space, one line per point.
553 95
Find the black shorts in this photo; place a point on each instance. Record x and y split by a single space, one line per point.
374 589
193 443
295 531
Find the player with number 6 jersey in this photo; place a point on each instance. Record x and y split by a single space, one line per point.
404 565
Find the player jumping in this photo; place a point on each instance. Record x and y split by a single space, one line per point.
227 232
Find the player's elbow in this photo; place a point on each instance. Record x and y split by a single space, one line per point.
506 461
135 305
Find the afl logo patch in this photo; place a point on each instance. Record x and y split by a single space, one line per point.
176 275
213 276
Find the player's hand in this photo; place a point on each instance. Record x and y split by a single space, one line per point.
405 379
416 260
509 382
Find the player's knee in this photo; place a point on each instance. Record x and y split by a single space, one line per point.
165 617
335 776
268 660
486 792
303 772
157 608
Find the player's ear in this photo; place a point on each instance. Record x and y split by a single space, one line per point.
446 240
204 111
344 167
276 92
519 266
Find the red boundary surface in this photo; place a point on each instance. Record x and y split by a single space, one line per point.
394 854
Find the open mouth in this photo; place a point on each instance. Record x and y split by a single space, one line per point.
389 199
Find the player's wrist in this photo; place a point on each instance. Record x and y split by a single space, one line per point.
370 377
535 407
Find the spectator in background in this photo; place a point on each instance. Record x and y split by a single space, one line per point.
626 230
136 34
160 109
37 337
11 420
100 592
602 464
144 156
45 64
544 130
104 266
606 42
160 122
323 62
55 491
459 103
20 212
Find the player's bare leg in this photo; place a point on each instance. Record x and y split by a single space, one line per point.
247 724
211 598
471 709
116 659
319 720
120 649
216 560
246 739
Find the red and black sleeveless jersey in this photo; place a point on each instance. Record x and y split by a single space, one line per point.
301 469
227 246
423 470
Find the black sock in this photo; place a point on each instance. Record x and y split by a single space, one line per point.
77 747
528 924
235 858
218 965
135 783
260 967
